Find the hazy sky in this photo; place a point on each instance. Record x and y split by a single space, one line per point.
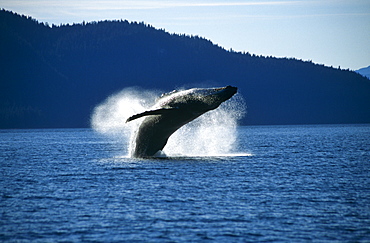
331 32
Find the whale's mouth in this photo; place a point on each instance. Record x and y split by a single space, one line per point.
227 87
226 92
231 88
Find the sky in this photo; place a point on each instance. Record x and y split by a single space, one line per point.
330 32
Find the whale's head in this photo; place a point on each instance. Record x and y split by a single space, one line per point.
199 100
215 96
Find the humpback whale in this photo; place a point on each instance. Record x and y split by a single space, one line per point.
172 111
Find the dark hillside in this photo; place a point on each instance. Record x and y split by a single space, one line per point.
54 76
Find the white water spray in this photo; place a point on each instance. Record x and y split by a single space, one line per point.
211 134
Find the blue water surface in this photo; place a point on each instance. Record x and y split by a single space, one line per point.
286 183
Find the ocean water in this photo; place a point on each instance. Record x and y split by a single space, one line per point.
278 183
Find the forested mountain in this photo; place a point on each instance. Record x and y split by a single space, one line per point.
53 76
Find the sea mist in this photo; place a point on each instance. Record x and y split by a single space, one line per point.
211 134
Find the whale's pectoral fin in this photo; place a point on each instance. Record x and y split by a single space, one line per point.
152 112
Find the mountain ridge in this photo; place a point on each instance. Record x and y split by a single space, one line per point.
364 71
53 76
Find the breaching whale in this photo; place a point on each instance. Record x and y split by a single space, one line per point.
172 111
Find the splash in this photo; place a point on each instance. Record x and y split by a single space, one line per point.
212 134
109 118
